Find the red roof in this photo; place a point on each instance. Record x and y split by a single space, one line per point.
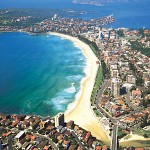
139 149
136 92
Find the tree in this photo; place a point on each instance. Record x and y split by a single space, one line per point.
120 33
145 135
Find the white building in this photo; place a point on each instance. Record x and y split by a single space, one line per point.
59 120
115 87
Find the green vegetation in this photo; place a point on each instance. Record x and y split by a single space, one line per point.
92 45
145 102
120 33
142 132
145 135
97 112
135 45
139 81
137 143
98 82
107 91
120 133
106 72
100 73
145 122
127 137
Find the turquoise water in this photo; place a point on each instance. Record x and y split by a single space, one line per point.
37 72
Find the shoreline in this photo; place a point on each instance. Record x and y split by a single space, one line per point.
80 110
76 104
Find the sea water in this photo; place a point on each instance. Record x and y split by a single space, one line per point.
38 74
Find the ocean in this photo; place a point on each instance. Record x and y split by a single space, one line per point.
128 13
38 74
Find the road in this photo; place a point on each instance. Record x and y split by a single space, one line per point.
100 92
80 143
98 100
114 138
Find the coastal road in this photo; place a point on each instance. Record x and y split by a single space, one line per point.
100 92
105 84
114 138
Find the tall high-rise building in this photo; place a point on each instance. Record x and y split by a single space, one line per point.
101 36
59 119
115 87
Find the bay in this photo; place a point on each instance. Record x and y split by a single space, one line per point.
37 72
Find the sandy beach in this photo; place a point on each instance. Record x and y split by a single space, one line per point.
80 110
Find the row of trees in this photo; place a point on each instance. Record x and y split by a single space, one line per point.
92 45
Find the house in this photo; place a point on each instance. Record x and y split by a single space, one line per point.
79 148
67 133
76 128
15 123
33 138
104 147
43 144
70 124
20 135
60 137
29 147
38 140
98 148
87 137
136 94
6 134
25 145
26 124
73 147
47 148
66 143
22 141
139 148
35 125
90 142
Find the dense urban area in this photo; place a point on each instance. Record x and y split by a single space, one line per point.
120 97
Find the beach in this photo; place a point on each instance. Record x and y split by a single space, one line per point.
80 110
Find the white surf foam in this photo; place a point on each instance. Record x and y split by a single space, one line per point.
72 89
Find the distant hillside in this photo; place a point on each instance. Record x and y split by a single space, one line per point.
98 2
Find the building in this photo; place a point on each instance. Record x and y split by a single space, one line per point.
114 73
115 87
59 120
131 79
101 36
136 94
19 136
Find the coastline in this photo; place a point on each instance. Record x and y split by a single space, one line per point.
77 103
80 109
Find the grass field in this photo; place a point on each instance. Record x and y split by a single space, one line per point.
142 132
135 143
98 82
